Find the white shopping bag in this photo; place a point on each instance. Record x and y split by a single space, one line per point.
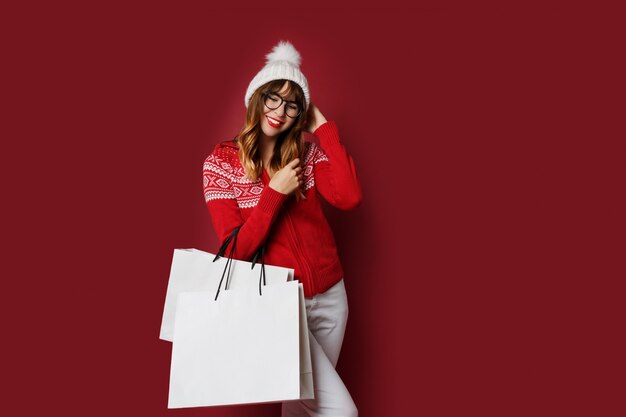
242 348
194 270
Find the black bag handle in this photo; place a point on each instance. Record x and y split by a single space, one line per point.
222 251
261 251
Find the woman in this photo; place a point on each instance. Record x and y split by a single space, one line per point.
267 181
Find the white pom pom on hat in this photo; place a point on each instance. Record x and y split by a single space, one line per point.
283 63
284 51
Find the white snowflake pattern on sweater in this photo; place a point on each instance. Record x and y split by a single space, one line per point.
224 177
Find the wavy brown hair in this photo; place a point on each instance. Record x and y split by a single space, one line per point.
289 144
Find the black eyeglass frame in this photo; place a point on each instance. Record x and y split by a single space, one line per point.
282 100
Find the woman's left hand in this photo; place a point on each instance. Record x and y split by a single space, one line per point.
314 119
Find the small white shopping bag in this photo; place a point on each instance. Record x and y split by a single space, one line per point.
194 270
243 348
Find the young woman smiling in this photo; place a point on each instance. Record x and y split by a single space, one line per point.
268 181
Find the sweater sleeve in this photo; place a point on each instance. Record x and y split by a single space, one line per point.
335 174
221 201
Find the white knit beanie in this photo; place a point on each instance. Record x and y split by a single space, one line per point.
282 63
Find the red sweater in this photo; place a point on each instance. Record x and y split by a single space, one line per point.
296 234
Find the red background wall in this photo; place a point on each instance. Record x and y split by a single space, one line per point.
471 265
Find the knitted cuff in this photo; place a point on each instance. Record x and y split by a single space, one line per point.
271 200
328 134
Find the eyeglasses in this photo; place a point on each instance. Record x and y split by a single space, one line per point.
274 101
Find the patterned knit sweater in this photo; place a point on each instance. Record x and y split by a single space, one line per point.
296 234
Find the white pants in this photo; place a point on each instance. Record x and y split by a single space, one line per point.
327 315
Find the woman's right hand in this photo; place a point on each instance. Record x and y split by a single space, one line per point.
287 179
